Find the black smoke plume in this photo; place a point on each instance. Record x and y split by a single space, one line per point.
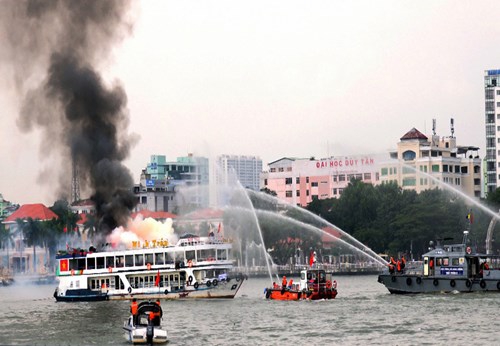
56 49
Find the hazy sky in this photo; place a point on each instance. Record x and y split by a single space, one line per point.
282 78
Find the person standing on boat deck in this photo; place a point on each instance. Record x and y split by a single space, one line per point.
403 263
398 266
431 266
134 307
283 282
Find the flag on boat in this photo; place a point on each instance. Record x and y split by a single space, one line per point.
157 280
312 258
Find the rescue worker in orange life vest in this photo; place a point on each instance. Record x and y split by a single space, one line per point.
133 307
398 266
283 282
393 262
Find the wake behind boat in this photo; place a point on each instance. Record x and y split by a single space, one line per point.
196 267
314 284
446 268
144 325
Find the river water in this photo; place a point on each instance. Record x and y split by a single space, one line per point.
364 313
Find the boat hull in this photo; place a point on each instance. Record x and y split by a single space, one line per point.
288 294
80 295
414 284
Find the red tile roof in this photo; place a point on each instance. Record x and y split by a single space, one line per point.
154 214
35 211
413 134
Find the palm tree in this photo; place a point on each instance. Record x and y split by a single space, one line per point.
6 240
33 234
90 225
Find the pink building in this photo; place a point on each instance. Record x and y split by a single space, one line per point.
300 181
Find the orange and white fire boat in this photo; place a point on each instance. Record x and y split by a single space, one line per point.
314 284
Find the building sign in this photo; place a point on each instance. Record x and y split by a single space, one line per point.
150 183
347 162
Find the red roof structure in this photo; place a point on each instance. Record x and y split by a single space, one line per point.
34 211
414 134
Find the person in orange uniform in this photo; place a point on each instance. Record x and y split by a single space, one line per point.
157 315
283 282
134 307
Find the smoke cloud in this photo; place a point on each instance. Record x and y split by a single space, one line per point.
56 49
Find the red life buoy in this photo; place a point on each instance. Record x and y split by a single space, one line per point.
110 269
149 266
190 263
329 284
468 249
72 272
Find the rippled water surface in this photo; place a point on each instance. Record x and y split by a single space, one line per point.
364 313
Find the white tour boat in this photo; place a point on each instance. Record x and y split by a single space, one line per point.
196 267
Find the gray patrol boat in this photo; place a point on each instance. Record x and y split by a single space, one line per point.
446 268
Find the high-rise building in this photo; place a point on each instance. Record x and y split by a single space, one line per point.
492 120
245 169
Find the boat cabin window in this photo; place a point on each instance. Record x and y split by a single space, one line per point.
446 261
119 261
169 258
190 255
439 262
149 258
159 258
91 263
206 255
302 276
139 260
454 261
100 262
110 261
222 255
80 264
129 260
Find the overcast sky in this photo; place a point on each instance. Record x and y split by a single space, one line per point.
283 78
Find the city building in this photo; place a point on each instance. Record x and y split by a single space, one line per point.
420 163
6 208
492 120
161 181
300 181
17 256
244 169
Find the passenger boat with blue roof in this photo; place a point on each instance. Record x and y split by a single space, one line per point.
195 267
446 268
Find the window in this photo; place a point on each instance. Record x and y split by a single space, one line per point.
288 181
342 177
307 192
335 177
129 260
307 180
457 181
445 168
314 184
297 180
288 193
409 182
464 170
383 171
435 168
367 176
409 155
454 261
334 191
297 193
139 260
